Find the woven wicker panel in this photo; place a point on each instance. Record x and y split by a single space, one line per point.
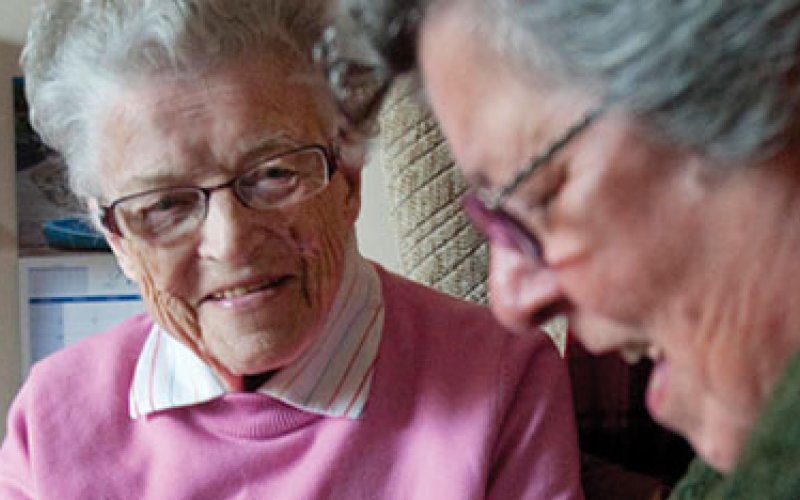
437 244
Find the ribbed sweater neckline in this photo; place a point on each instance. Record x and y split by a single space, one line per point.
250 416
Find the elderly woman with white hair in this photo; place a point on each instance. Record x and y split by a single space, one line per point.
636 167
274 361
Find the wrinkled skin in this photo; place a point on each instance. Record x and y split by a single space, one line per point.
652 250
167 131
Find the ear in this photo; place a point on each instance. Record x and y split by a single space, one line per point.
123 257
114 241
351 158
352 176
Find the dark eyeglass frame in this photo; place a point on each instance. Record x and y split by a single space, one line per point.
108 218
484 207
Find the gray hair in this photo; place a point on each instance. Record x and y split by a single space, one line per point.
77 49
715 76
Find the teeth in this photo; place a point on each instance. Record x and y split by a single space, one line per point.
634 352
632 355
239 291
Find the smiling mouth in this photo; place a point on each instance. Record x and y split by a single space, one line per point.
241 291
631 347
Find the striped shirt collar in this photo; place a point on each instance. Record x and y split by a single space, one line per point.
332 378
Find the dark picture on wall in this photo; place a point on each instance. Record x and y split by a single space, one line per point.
48 214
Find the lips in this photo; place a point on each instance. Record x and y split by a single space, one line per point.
240 290
657 387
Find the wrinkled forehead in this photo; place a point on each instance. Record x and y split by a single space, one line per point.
161 126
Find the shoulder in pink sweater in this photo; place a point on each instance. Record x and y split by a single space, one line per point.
458 410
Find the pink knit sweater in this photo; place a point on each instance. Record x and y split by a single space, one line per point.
458 410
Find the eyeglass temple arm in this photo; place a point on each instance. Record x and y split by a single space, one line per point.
495 200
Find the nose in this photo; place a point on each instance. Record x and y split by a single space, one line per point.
230 230
521 289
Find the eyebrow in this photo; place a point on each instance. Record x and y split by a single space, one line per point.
245 153
268 143
265 146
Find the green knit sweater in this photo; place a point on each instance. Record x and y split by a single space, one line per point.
770 465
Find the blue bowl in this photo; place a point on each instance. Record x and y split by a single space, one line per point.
73 233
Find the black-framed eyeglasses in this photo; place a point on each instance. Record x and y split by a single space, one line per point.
484 207
162 216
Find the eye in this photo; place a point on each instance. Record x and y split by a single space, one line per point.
283 180
553 182
280 173
270 177
155 212
167 202
541 191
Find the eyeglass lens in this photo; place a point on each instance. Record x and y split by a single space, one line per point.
499 227
165 215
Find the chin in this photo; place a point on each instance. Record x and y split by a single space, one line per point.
721 452
715 458
255 362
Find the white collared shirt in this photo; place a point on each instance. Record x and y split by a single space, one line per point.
332 377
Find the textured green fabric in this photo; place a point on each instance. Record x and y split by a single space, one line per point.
769 468
698 482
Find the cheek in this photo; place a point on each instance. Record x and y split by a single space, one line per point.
322 233
165 273
623 279
162 282
719 323
630 230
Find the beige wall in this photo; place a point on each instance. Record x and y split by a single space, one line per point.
376 231
9 338
14 18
